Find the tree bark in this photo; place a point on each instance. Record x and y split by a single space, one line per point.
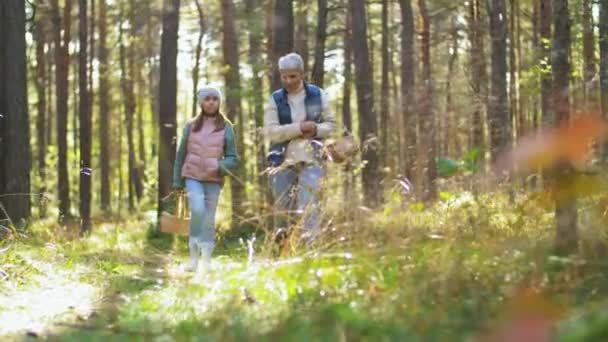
104 112
566 235
384 86
128 95
233 101
257 95
498 113
589 88
544 26
603 42
41 105
15 155
365 103
318 69
515 112
408 88
168 98
450 128
346 103
479 76
197 57
62 62
301 39
85 121
282 36
427 117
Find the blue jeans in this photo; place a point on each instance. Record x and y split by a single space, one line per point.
296 190
203 198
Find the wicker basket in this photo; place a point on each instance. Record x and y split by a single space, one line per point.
180 222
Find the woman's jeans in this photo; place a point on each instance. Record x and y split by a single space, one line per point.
203 198
296 190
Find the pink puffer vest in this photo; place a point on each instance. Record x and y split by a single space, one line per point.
204 150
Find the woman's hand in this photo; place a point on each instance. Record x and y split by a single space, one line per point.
308 129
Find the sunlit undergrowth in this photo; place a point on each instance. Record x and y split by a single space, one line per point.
459 269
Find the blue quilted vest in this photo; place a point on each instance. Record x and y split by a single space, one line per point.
314 112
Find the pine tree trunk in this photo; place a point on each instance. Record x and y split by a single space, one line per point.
126 82
566 235
544 26
269 33
41 105
513 71
318 70
365 103
588 58
233 102
346 104
62 62
408 89
301 22
282 37
168 98
85 121
450 128
479 77
498 111
257 95
104 110
197 57
427 117
15 154
384 87
50 81
603 47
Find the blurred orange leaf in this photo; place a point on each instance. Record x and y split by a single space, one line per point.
528 316
570 142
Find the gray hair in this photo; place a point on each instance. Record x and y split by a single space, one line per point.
291 61
208 91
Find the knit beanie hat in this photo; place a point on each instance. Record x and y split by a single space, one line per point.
209 91
291 61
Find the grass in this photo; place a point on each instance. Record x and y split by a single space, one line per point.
468 268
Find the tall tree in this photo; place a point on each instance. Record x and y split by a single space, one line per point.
498 111
588 57
49 82
544 54
603 42
41 76
385 86
62 62
347 119
318 69
233 99
301 38
168 98
85 120
450 126
408 87
269 33
104 109
566 235
479 76
15 157
282 36
255 53
197 56
515 112
365 103
128 94
427 117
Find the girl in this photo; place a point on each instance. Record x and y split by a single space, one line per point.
206 153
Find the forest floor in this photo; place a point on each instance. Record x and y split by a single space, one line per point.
467 268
